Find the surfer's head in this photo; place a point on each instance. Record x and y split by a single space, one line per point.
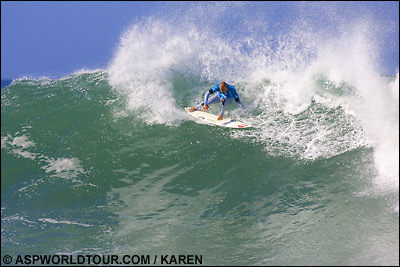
223 87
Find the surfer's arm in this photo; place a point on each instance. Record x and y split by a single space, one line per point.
223 100
239 103
207 95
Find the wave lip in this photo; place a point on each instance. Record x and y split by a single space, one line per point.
313 93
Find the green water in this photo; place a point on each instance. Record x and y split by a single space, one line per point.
82 173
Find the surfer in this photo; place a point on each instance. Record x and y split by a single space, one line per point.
226 93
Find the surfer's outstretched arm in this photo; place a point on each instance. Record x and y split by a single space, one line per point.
239 103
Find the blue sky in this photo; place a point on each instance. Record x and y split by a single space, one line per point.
58 38
55 39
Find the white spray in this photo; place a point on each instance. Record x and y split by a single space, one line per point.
314 94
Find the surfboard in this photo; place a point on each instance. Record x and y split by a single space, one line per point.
213 119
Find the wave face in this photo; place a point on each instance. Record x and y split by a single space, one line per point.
108 162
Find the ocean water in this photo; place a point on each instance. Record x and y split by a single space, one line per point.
107 162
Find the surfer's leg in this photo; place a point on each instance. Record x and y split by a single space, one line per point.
225 103
196 107
213 99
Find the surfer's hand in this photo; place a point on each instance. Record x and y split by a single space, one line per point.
220 117
205 107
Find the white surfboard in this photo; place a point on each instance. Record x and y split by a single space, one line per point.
213 119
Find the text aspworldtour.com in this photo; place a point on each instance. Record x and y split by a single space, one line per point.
103 259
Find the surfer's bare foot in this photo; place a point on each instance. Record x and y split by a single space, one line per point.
192 109
220 117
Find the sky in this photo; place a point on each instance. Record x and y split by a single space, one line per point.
55 39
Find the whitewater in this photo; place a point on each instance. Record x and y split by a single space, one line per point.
107 161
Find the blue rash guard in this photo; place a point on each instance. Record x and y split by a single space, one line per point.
220 97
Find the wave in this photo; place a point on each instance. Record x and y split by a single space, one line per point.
109 157
311 94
